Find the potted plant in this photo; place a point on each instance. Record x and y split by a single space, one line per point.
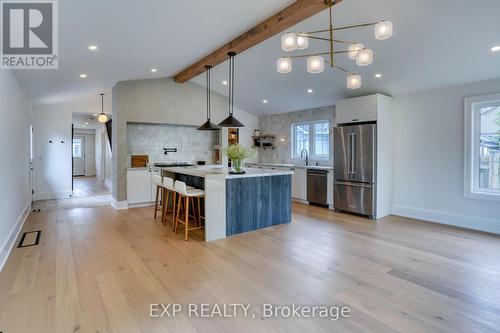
237 154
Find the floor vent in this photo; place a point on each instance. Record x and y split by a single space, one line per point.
30 238
38 210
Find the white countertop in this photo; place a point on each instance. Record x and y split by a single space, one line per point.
204 171
280 165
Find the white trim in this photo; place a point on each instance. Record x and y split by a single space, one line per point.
471 126
52 195
463 221
119 204
13 235
141 204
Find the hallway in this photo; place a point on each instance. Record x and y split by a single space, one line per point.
87 192
89 186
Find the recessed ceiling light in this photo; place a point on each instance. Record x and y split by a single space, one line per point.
83 125
378 75
310 91
224 82
95 114
83 76
86 123
495 48
93 47
154 70
265 101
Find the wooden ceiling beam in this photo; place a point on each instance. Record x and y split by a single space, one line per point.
281 21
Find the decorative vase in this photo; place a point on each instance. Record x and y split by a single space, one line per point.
236 165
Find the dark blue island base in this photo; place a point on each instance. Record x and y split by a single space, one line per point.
257 202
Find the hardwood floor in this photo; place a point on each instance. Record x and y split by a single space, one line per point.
88 186
98 270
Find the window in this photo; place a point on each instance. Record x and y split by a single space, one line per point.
77 148
312 136
482 147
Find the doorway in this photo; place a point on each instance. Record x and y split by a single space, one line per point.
78 156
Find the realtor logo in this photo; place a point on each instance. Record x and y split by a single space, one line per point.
29 34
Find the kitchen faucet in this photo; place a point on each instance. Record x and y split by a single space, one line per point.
307 155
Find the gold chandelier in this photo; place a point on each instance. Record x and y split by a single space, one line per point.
316 62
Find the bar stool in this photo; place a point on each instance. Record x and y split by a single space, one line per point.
168 185
188 195
159 191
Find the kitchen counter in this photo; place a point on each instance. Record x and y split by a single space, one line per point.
204 171
279 165
233 204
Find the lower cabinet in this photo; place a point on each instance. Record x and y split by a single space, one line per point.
299 184
139 186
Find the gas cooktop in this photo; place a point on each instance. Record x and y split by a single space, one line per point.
173 164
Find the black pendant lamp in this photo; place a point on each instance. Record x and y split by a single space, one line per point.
231 121
208 125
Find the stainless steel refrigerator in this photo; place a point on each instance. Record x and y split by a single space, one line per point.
355 168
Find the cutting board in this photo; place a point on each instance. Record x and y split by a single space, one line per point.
140 161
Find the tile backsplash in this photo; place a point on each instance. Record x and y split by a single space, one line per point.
280 125
150 139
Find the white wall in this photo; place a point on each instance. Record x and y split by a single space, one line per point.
429 159
53 161
15 191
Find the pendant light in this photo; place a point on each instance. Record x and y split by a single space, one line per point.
208 125
231 121
102 118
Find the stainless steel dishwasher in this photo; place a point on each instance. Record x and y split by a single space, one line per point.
317 186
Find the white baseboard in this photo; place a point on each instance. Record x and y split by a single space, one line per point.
463 221
119 204
142 204
301 201
53 195
13 235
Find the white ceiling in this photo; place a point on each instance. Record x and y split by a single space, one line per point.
436 43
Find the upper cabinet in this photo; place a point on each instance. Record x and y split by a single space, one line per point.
361 109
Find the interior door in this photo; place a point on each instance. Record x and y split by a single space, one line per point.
79 156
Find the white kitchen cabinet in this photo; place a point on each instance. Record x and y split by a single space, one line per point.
358 109
139 184
299 184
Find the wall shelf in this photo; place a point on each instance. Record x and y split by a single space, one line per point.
265 141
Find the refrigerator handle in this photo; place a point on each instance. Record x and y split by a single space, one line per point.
353 152
349 154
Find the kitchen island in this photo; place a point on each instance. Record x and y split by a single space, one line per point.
238 203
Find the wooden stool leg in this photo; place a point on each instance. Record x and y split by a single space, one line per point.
193 207
186 219
156 200
199 211
165 206
173 207
176 220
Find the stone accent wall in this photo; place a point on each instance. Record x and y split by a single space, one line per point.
150 139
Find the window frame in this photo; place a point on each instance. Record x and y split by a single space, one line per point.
312 141
472 117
